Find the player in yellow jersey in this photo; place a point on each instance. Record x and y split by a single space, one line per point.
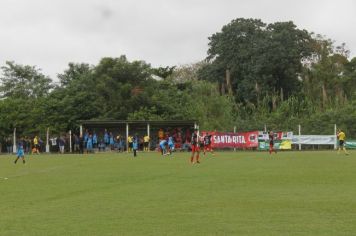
130 140
146 140
341 137
36 148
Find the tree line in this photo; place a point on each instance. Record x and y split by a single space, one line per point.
255 74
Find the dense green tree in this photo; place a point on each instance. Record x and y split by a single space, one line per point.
23 81
74 72
256 59
118 85
326 79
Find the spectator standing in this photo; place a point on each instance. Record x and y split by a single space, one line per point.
61 144
122 144
160 134
81 144
76 144
146 141
86 136
101 145
119 143
106 138
111 141
188 135
9 145
95 141
41 146
26 142
90 144
179 140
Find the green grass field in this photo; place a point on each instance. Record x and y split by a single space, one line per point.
242 193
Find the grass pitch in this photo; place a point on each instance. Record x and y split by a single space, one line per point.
242 193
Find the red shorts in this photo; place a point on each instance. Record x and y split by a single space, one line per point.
270 145
195 148
207 147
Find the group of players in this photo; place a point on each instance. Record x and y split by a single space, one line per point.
204 142
197 142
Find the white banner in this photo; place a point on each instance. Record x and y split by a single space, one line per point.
277 135
314 139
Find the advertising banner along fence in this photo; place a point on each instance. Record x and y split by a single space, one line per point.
351 144
282 140
233 140
260 140
315 139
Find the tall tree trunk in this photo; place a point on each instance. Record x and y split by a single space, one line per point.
340 95
257 88
274 102
222 88
325 96
282 95
307 83
228 81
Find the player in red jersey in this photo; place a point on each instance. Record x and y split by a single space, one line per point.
195 147
207 144
271 143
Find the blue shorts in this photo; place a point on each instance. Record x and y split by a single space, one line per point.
20 153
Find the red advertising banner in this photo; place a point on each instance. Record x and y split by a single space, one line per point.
233 140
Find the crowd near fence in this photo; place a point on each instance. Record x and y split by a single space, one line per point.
181 132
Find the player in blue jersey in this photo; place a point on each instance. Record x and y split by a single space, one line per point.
106 139
163 146
95 141
86 136
89 144
170 144
20 152
135 145
111 141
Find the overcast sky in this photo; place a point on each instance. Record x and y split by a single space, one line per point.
52 33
